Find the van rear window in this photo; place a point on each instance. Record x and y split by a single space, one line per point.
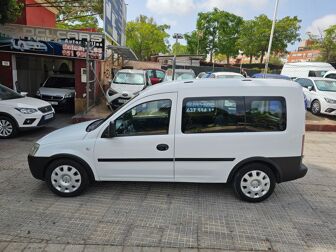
233 114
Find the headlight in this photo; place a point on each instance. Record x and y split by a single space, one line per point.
330 100
27 110
34 149
67 95
38 93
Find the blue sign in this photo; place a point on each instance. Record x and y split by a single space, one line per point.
115 20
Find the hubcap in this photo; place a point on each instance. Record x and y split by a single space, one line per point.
255 184
6 128
66 179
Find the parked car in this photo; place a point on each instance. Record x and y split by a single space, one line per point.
330 75
18 112
306 69
126 84
180 74
270 76
248 132
59 91
225 75
156 75
320 94
28 45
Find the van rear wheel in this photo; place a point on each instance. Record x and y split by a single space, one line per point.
66 178
254 182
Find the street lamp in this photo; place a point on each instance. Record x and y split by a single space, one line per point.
271 37
176 36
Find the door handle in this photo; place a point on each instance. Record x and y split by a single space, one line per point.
162 147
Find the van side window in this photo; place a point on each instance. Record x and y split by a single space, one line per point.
211 115
265 114
233 114
149 118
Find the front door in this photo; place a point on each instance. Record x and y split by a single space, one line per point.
143 149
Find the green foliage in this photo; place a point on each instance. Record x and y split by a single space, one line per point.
327 44
275 60
254 35
196 42
220 30
78 14
146 38
179 49
10 10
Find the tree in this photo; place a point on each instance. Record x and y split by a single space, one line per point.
10 10
254 35
196 42
146 38
179 49
326 43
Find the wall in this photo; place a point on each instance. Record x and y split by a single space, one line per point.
37 16
6 77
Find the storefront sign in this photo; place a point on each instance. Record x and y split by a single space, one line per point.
66 43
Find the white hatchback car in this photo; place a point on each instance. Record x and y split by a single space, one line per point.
18 112
320 94
249 132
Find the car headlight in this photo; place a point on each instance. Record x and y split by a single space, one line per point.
27 110
330 100
38 93
34 149
67 95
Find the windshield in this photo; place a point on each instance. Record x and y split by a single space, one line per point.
60 82
129 78
230 77
7 94
326 85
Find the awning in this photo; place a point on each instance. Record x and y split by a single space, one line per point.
123 51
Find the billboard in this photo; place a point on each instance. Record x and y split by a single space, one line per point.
115 20
49 41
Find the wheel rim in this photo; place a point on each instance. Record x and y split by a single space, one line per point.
255 184
6 128
315 107
66 178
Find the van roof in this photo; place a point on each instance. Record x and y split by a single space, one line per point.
176 86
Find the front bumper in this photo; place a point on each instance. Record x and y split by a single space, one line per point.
37 166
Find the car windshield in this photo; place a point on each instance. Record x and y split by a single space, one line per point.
326 85
8 94
229 76
60 82
129 78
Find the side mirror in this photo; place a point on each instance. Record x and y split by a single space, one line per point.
111 130
310 88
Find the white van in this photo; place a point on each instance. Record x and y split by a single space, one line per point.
306 69
249 132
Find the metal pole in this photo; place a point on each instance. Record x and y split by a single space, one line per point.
271 37
87 75
174 60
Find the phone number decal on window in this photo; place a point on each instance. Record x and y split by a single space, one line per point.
200 106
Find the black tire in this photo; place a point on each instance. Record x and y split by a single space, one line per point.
248 170
84 179
13 126
315 107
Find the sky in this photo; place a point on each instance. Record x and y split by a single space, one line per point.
181 15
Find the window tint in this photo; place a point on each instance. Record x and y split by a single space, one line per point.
150 118
265 114
331 76
233 114
210 115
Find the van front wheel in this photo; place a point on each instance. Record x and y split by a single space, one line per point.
66 178
254 182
